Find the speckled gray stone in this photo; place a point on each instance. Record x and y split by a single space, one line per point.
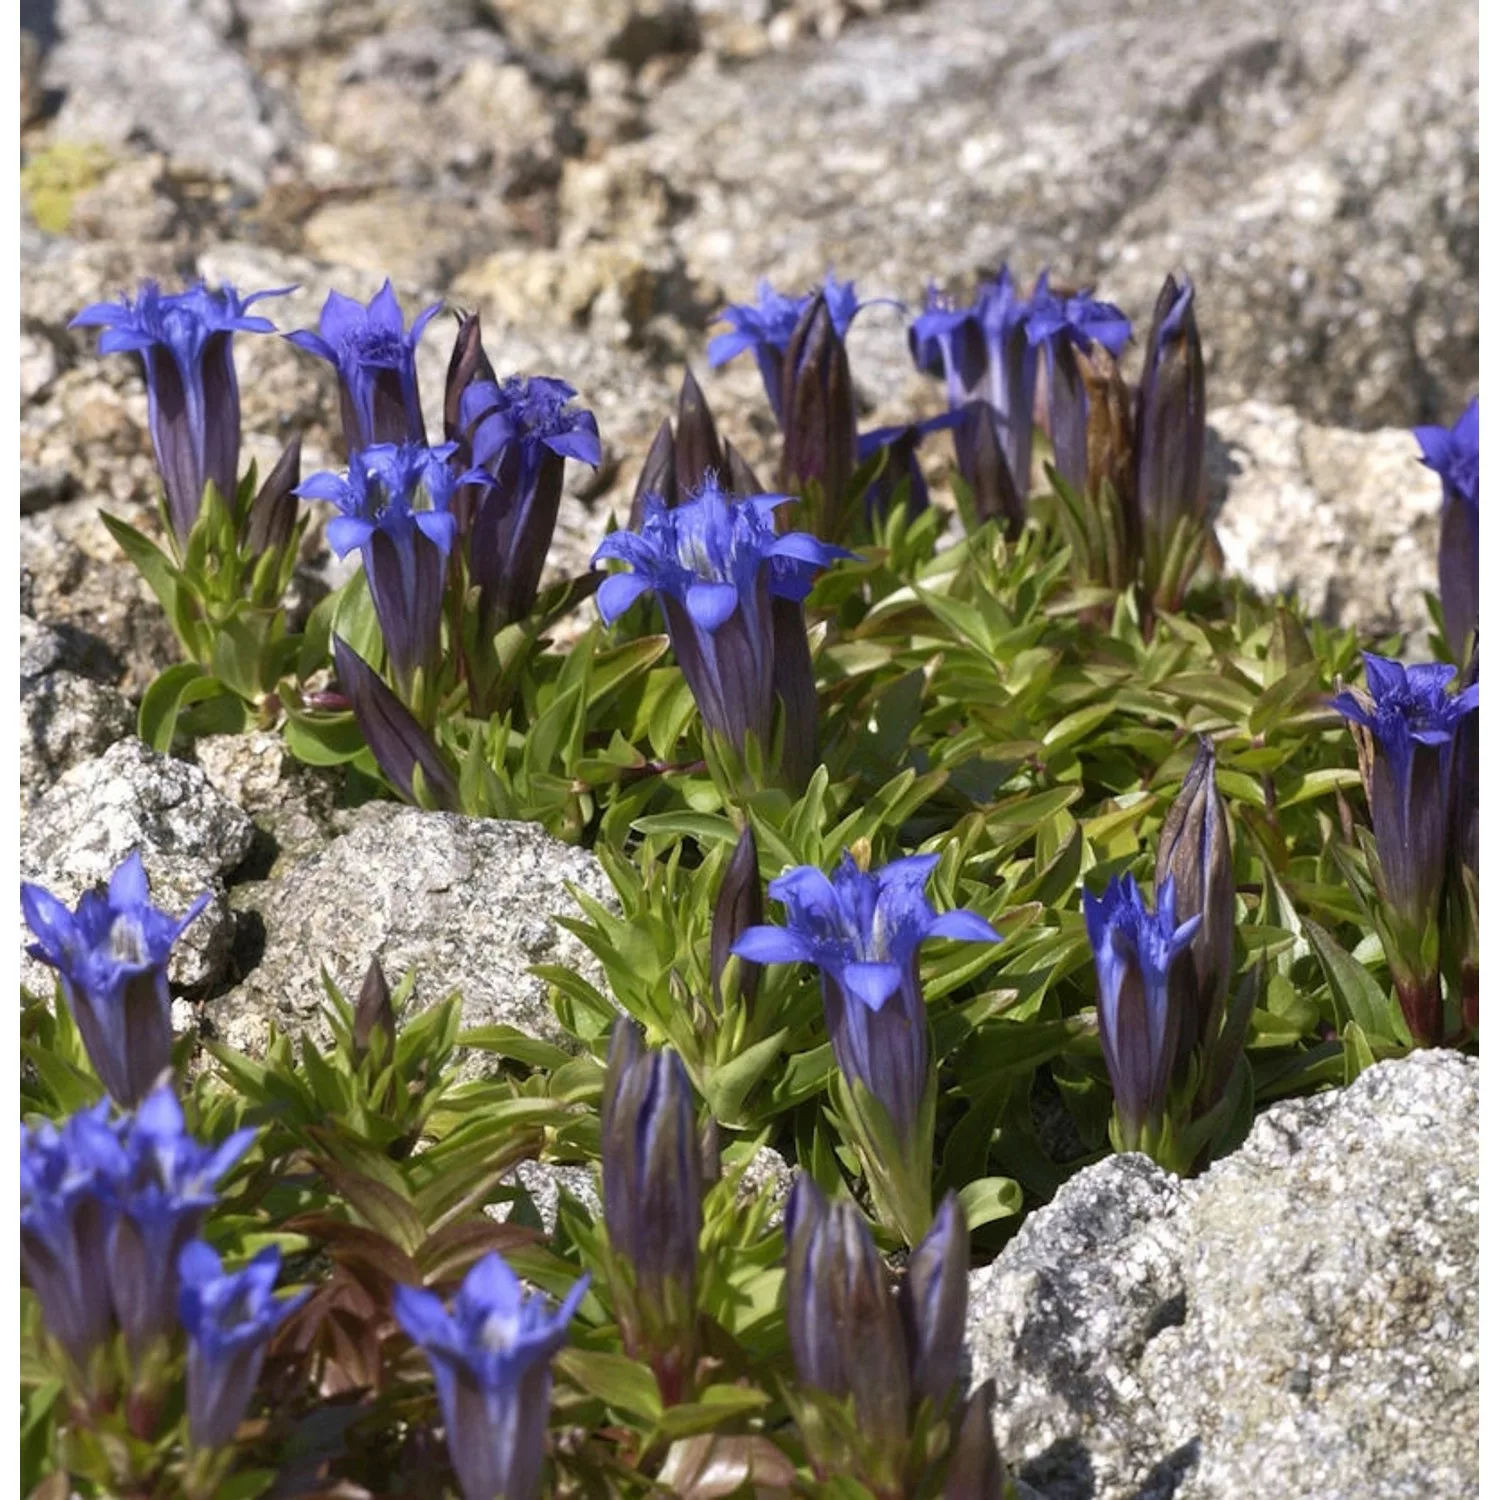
128 800
468 904
1302 1321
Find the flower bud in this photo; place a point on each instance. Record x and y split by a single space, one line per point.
934 1300
373 1011
818 420
1193 851
979 445
273 512
975 1470
653 1202
738 906
658 476
467 364
697 447
1109 447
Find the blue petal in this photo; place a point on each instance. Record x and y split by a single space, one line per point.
772 945
128 887
871 983
617 593
965 926
710 604
345 533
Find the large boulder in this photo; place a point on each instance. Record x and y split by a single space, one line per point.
1301 1321
466 904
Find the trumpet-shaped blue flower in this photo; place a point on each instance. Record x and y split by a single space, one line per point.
766 325
1413 722
492 1360
1134 954
715 564
167 1187
192 397
375 358
69 1178
947 342
901 463
520 430
394 504
1010 359
862 930
1453 453
111 956
229 1318
1059 324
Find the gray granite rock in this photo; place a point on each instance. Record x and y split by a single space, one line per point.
131 800
1301 1321
467 904
65 719
1346 520
167 74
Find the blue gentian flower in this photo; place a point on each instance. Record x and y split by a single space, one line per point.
192 397
395 508
1134 955
653 1201
69 1178
1171 428
492 1361
715 565
166 1189
766 325
1059 324
377 367
1412 720
947 342
862 930
1005 321
229 1317
520 430
111 958
901 463
1454 455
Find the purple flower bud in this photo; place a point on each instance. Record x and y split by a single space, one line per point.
111 957
737 908
68 1182
653 1202
698 451
1454 455
741 478
1058 323
934 1301
167 1188
1170 428
862 930
521 431
975 1468
843 1322
818 416
192 396
229 1318
373 1011
398 743
979 447
658 475
395 509
1134 953
1011 359
491 1358
467 365
715 565
1193 852
377 367
1410 724
273 512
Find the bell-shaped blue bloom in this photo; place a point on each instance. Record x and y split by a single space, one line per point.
1005 320
229 1317
766 325
947 342
192 396
69 1178
167 1187
1059 324
375 357
492 1360
1412 719
1134 954
111 958
862 930
394 501
715 563
1453 454
520 430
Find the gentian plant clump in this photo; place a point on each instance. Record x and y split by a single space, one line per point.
948 796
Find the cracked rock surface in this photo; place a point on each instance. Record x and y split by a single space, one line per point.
1301 1321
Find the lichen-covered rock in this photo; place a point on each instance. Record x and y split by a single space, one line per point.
66 718
1348 521
132 800
466 904
1301 1321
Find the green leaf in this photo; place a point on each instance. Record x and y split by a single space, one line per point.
1357 995
617 1381
989 1198
731 1084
